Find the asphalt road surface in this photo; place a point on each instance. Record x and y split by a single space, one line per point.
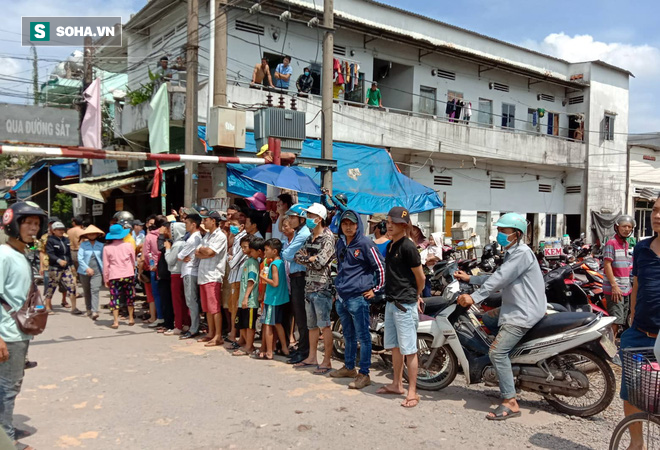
132 388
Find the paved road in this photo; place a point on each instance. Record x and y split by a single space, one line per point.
131 388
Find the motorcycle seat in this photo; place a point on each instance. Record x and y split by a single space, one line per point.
433 305
493 300
558 323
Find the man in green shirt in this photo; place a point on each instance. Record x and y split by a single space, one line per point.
373 96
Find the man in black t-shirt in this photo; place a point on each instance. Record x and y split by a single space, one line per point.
404 282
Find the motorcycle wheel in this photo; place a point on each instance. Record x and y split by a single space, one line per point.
602 384
437 367
338 344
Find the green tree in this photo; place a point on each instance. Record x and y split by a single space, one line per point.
63 207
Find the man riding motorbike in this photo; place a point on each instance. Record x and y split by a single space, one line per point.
523 305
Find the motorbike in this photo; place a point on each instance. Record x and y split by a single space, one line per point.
376 330
563 357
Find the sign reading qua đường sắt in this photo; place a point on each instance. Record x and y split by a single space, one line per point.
39 125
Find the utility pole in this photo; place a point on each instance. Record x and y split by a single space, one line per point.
35 75
87 77
220 55
327 93
192 51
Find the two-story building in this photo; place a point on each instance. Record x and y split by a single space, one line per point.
491 126
644 180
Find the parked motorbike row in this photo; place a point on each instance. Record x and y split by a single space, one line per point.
564 357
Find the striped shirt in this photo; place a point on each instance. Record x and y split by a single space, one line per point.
616 251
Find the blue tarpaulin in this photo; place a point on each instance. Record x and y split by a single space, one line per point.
29 174
367 175
66 170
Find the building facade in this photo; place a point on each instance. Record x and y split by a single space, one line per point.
644 180
491 126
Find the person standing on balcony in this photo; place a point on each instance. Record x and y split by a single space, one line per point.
305 82
373 96
283 74
163 70
261 73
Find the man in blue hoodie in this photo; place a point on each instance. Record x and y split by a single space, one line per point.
360 274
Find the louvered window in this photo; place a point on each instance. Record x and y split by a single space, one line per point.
497 183
573 189
439 180
546 188
576 100
249 27
500 87
339 50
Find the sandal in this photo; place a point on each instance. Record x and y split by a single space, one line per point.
114 326
304 365
407 402
262 356
502 413
240 352
204 339
322 370
384 391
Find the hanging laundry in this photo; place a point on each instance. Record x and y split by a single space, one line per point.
468 112
535 118
451 108
351 81
459 108
337 69
347 73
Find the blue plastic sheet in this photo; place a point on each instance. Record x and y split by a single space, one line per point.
66 170
367 175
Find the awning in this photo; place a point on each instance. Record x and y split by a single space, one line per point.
66 170
100 190
29 174
367 175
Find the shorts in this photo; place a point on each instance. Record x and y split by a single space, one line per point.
210 296
246 319
318 306
62 278
273 315
401 327
74 257
620 310
632 338
233 297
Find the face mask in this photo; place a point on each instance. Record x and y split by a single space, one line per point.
306 74
311 224
503 239
233 229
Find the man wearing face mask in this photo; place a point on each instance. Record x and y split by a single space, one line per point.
523 305
305 82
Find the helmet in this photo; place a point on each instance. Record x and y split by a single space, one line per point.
124 218
297 210
14 215
341 198
513 220
624 218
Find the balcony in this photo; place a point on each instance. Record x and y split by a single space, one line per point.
132 122
408 131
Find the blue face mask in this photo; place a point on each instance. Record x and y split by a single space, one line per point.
233 229
503 239
306 74
311 224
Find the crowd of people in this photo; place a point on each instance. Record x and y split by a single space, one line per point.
212 276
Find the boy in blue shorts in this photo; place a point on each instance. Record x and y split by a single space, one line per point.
246 319
277 295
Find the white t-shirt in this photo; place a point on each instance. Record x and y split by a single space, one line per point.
213 269
277 234
190 268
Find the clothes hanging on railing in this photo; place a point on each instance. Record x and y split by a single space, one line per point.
338 76
468 112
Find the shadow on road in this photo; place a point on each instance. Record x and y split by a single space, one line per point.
545 440
65 339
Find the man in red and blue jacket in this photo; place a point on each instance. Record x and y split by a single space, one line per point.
360 275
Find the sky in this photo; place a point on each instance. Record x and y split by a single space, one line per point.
613 31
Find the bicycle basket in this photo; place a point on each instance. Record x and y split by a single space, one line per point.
641 374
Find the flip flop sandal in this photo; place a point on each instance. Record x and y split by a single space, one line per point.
499 413
240 353
384 391
304 365
262 357
322 370
406 402
114 327
212 344
130 324
204 339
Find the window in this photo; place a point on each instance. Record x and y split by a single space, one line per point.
573 189
248 27
427 100
551 225
545 188
608 127
497 183
485 113
440 180
553 124
508 115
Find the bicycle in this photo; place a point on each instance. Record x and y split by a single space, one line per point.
641 373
